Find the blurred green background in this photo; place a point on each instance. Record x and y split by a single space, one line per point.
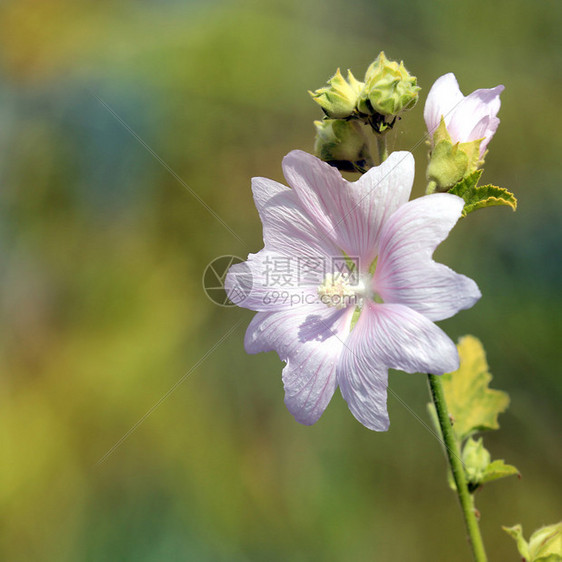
103 311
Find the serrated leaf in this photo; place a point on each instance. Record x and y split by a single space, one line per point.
545 544
489 196
477 197
473 406
465 187
498 469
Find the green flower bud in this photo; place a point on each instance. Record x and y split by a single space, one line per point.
449 163
389 88
342 143
475 459
338 100
545 544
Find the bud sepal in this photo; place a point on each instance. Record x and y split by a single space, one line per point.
450 162
545 544
389 88
339 98
343 144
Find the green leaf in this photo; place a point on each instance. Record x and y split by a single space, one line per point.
466 186
545 544
489 196
498 469
477 197
473 406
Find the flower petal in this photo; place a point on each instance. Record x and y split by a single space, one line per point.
467 118
351 214
401 338
406 273
287 228
362 377
388 336
268 281
464 122
491 128
310 342
444 95
295 260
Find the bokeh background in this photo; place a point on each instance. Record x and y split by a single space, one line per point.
103 312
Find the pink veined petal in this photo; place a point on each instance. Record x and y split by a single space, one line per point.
479 129
482 104
406 273
401 338
444 95
388 336
268 281
467 118
351 214
287 229
487 99
491 129
287 272
362 377
310 342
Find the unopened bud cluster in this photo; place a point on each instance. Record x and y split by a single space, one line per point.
389 88
353 108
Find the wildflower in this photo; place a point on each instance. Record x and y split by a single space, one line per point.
467 119
460 128
370 302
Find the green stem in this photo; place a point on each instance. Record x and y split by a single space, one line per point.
431 187
360 169
381 146
457 468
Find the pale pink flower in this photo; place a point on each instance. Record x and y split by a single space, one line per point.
311 325
467 118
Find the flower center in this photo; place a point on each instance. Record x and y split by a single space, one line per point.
340 290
